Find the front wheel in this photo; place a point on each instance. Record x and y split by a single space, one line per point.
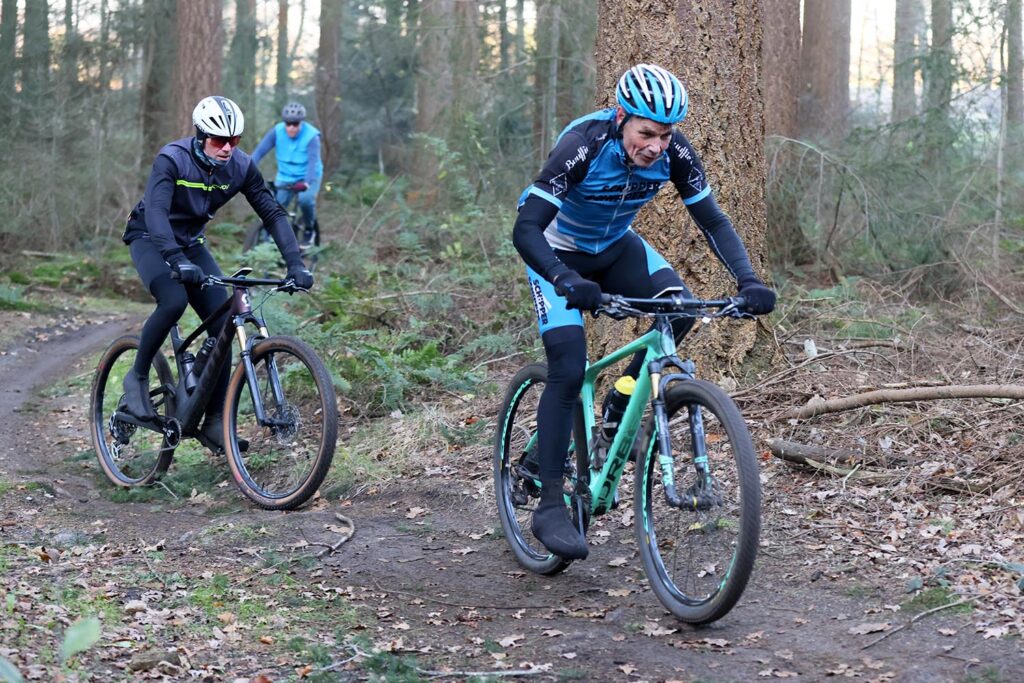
129 455
698 551
516 488
287 412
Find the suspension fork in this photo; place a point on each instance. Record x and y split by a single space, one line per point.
666 460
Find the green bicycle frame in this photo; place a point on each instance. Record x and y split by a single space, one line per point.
658 343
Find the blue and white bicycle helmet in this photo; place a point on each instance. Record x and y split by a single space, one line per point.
651 92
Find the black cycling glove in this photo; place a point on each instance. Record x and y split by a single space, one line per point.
760 298
299 274
188 273
578 291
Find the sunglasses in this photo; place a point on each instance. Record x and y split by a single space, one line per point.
292 124
219 141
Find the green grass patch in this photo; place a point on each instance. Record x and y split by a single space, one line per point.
931 598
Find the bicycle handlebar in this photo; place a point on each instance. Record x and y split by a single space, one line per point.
615 306
286 285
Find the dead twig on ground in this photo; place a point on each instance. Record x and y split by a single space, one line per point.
917 617
331 549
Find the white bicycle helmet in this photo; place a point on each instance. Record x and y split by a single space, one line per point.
218 116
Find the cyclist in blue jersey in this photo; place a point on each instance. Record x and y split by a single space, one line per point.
574 231
296 144
191 179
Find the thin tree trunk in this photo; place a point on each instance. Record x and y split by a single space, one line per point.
546 75
35 52
909 19
725 124
939 80
575 61
825 69
433 92
8 63
504 37
241 71
1014 86
281 82
197 67
781 65
158 69
328 85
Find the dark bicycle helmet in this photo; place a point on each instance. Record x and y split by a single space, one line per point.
293 112
651 92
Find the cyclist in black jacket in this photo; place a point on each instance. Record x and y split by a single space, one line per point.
191 179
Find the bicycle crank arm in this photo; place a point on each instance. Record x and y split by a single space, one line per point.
170 428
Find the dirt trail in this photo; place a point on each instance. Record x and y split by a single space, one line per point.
433 582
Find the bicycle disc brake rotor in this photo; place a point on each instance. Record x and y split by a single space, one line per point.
286 419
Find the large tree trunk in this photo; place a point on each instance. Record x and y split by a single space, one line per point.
241 71
906 51
197 68
433 91
781 77
8 34
158 69
825 69
725 124
328 85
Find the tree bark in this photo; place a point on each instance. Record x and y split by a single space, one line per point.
241 71
546 86
781 69
906 51
869 398
939 79
197 67
433 91
8 63
158 69
825 69
1014 84
281 81
328 85
725 124
35 52
575 61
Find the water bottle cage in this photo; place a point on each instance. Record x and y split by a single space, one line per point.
599 445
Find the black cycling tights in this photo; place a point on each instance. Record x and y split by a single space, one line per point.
566 350
172 298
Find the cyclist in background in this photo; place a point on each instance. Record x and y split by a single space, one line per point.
296 144
191 179
574 231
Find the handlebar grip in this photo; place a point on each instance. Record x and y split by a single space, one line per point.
605 299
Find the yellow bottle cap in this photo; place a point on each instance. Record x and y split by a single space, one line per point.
625 385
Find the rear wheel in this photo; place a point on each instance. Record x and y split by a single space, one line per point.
128 454
291 447
699 555
516 489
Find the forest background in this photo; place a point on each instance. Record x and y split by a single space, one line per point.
869 153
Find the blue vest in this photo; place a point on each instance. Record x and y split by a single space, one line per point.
291 153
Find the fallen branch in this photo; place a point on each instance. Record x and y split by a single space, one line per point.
350 533
792 451
961 601
799 454
819 406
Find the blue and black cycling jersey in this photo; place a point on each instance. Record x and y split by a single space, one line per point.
588 192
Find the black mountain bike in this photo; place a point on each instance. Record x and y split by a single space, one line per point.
280 412
307 236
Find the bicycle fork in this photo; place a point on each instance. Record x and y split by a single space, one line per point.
700 495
